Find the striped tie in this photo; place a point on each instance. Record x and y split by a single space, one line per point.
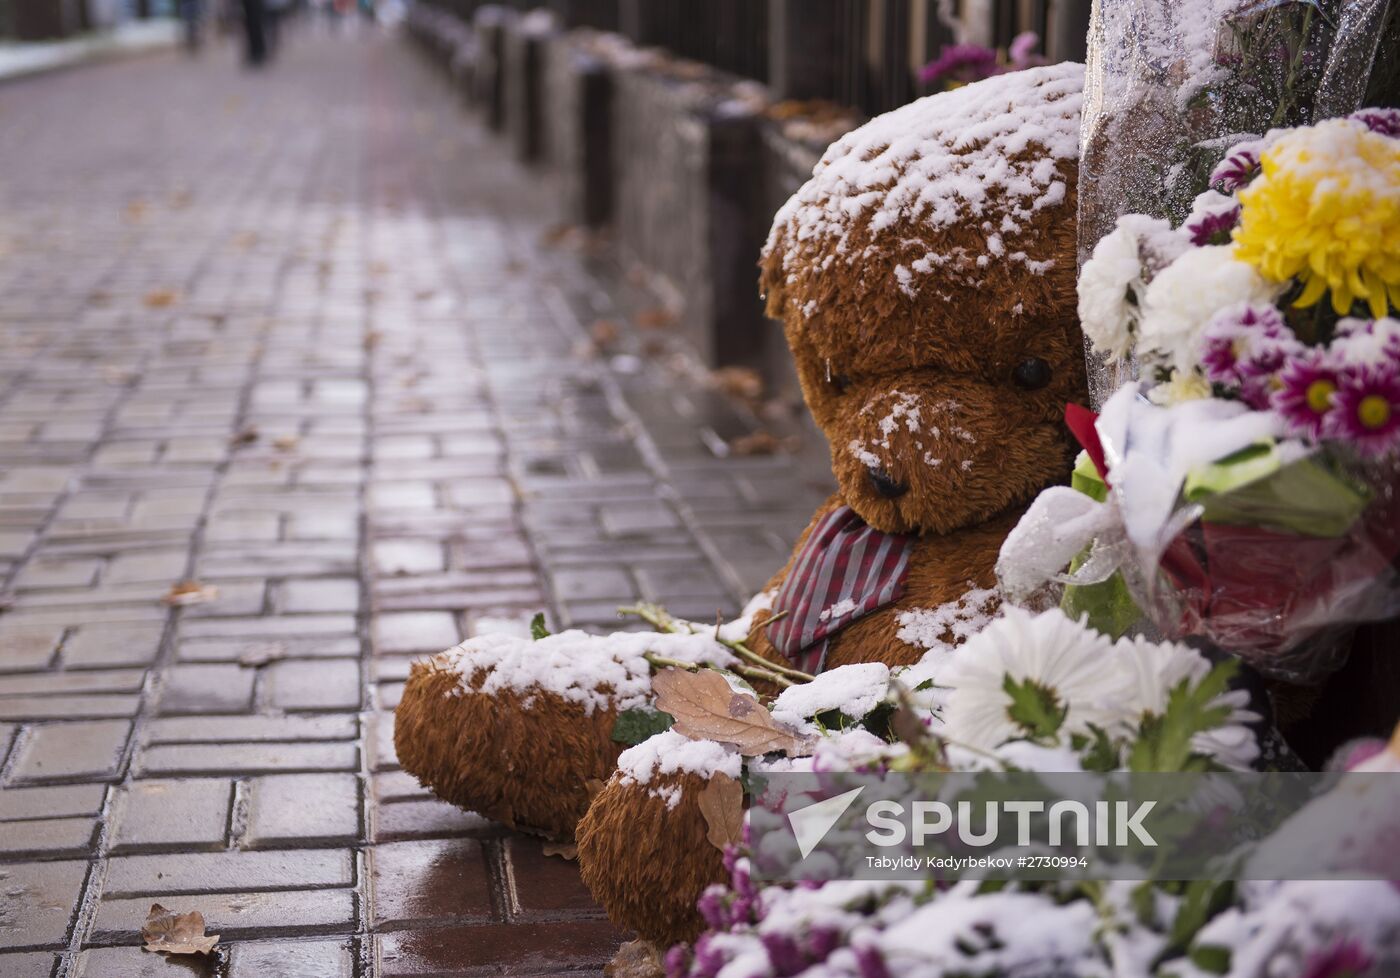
844 571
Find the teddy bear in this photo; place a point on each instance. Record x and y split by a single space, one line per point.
925 280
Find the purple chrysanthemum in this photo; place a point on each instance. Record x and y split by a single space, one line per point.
1368 409
1383 121
871 962
1344 959
1244 342
1237 168
961 63
1306 394
1213 228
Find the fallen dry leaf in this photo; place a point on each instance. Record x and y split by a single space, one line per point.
564 850
742 382
372 339
605 332
176 933
245 436
245 240
656 317
635 959
136 210
707 708
184 593
755 443
286 443
161 298
722 804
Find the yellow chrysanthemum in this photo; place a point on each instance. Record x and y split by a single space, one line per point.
1326 210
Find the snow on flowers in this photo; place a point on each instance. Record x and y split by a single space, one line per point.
1231 304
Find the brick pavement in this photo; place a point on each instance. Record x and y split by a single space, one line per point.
305 338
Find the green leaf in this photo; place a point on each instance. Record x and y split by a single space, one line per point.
638 724
1164 742
1202 900
1097 753
1035 708
537 627
1211 958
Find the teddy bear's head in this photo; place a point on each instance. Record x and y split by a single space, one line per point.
925 277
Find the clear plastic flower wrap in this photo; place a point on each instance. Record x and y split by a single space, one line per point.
1270 549
1171 84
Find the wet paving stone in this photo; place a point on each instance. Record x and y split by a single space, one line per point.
312 352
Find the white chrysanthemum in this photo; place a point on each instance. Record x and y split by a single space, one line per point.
1187 294
1110 288
1157 668
1058 655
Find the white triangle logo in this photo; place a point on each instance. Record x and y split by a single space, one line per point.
811 824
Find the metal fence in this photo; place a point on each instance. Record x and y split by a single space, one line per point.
865 54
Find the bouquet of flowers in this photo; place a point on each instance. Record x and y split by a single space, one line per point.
1253 471
1032 693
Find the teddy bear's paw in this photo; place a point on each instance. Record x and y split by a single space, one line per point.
643 851
522 759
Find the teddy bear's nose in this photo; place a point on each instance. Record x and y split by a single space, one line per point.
885 485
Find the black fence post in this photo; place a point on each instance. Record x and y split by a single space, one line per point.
804 48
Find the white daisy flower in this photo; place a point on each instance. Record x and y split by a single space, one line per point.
1067 663
1157 668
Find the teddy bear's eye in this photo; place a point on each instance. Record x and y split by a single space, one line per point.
840 382
1031 374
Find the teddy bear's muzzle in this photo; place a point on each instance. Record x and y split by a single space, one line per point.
885 484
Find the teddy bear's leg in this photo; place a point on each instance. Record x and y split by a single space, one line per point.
525 764
645 857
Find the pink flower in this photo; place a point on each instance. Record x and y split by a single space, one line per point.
1022 50
1244 342
1214 227
1344 959
961 63
1237 168
1306 394
1384 121
1368 408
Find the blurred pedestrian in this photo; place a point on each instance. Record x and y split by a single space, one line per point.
255 32
191 13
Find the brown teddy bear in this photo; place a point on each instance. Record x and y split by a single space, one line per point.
925 277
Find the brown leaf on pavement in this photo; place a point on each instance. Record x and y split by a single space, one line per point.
754 444
176 933
564 850
604 332
707 708
741 382
160 298
245 436
656 317
635 959
722 804
184 593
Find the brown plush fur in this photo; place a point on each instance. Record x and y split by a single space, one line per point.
953 347
526 767
645 863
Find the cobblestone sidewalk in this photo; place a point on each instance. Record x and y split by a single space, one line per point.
302 338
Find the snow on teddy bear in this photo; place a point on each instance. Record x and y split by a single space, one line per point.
925 279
